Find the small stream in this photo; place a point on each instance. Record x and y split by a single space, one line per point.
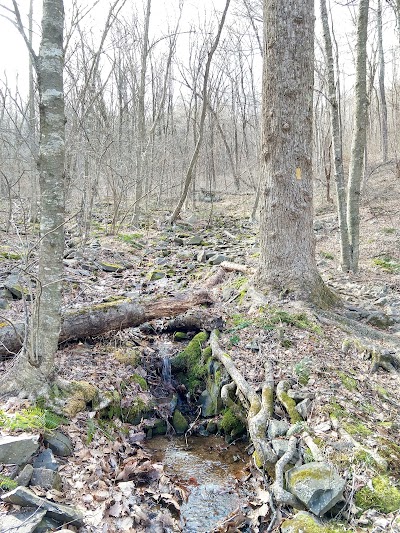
209 469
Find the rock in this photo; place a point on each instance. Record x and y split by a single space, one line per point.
22 522
304 408
217 259
110 267
24 476
58 443
379 320
46 478
26 498
277 428
202 256
179 422
280 447
317 485
3 303
13 284
253 346
299 395
154 275
212 427
49 524
196 240
18 450
46 459
301 523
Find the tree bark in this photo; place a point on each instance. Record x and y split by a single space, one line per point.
287 257
359 137
100 318
382 95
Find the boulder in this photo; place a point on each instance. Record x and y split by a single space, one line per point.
46 459
46 478
26 498
21 522
179 422
317 485
58 443
19 449
24 476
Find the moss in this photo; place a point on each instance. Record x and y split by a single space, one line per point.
326 255
7 483
308 473
10 255
137 410
230 424
136 378
128 357
364 458
179 422
383 496
390 451
306 523
81 393
356 427
348 382
180 336
192 362
290 406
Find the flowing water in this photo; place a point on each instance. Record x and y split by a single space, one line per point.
209 469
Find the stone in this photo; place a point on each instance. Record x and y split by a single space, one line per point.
24 476
212 427
277 428
58 443
179 422
280 447
304 408
110 267
18 450
13 284
379 320
317 485
49 524
46 478
21 522
301 523
217 259
196 240
202 256
46 459
154 275
60 512
3 303
299 395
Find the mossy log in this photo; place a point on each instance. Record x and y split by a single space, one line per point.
260 409
97 319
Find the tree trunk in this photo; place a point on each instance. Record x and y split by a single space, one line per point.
337 144
359 137
287 257
382 96
100 318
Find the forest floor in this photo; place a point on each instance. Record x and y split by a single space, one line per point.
350 399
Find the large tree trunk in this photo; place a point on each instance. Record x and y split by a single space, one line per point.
359 137
287 259
100 318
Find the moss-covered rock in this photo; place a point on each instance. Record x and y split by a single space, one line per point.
79 394
179 422
304 522
231 425
384 496
136 378
129 356
192 362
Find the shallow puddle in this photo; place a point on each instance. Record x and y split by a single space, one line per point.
210 470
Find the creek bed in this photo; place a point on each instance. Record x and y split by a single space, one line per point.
210 470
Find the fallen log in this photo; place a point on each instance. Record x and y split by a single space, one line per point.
97 319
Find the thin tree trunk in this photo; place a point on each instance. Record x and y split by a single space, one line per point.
359 137
337 144
195 155
382 96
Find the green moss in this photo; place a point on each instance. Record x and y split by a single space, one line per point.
326 255
306 523
179 422
230 424
10 255
390 451
364 458
140 381
33 418
129 356
384 496
290 406
356 427
180 336
336 410
7 483
307 473
348 382
387 264
192 362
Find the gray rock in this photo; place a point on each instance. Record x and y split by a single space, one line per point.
253 346
3 303
217 259
19 449
202 256
302 521
46 459
317 485
379 320
49 524
24 476
299 395
280 447
22 522
26 498
109 267
14 284
277 428
196 240
304 408
58 443
46 478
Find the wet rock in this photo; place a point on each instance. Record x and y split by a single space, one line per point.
46 478
58 443
19 449
317 485
304 408
24 476
46 459
26 498
179 422
302 522
277 428
22 522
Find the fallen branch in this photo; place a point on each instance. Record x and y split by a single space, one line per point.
98 319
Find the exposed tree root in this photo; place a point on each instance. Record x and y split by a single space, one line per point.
281 495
